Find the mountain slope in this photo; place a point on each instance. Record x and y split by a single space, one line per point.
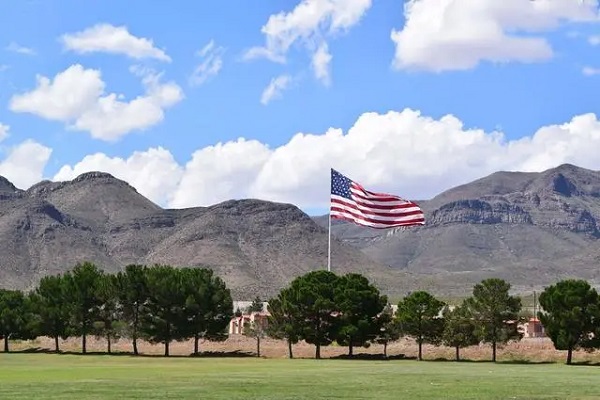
529 228
256 246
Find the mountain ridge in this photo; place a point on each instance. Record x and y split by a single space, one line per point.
256 246
531 228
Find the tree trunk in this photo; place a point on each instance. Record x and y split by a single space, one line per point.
134 333
108 348
83 343
457 353
318 351
384 349
167 339
494 343
258 346
56 348
350 350
135 349
569 355
420 350
196 339
6 344
290 348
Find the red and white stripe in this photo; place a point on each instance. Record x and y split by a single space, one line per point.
376 210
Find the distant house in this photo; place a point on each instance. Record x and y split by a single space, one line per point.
533 328
236 325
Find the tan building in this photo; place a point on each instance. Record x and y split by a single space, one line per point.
236 325
533 328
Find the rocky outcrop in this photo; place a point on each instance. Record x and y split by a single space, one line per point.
479 212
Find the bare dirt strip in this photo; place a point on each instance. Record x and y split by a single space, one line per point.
531 350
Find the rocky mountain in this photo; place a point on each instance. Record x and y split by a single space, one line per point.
256 246
529 228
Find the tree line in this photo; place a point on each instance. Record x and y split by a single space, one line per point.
162 304
159 304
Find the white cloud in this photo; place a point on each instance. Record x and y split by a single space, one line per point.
17 48
3 131
310 23
220 172
405 153
63 98
24 164
212 62
321 64
77 97
275 88
106 38
590 71
154 173
594 40
443 35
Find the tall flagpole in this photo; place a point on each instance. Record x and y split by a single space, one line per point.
329 234
329 244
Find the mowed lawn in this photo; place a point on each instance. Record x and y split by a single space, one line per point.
48 376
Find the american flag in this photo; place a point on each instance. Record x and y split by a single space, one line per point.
352 202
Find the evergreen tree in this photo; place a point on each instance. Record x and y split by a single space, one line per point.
389 330
108 323
571 315
495 312
132 290
51 304
256 306
13 316
359 304
220 309
283 320
312 296
460 329
208 306
81 292
164 319
419 316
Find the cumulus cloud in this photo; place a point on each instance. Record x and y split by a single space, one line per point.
77 97
401 152
17 48
106 38
24 163
154 173
212 62
220 172
441 35
275 88
309 24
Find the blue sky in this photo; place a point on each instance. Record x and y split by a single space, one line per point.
517 83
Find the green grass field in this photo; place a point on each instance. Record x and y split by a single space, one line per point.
48 376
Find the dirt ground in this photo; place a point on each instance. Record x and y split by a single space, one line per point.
531 349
